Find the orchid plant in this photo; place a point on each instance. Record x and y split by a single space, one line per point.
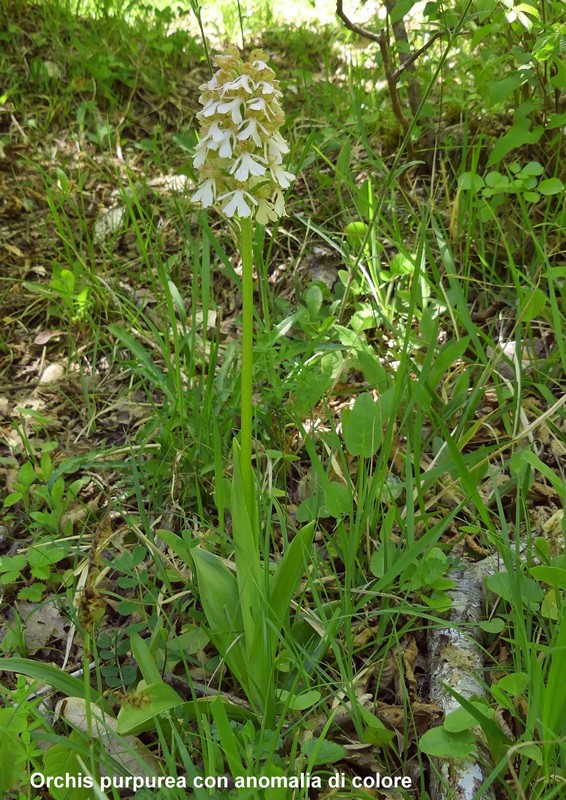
239 159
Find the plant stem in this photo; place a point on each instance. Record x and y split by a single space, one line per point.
247 362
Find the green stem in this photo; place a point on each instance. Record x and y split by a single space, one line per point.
246 252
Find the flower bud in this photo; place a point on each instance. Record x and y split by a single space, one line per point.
240 153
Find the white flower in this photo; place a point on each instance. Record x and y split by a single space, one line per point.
240 152
245 165
205 193
277 144
225 149
232 107
237 205
221 140
209 109
259 104
251 129
282 177
216 133
210 85
200 154
244 81
267 88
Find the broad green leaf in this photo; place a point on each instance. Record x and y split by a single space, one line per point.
311 508
462 720
218 590
551 605
62 760
154 699
556 121
12 499
355 234
400 9
495 625
13 754
363 433
532 751
497 181
13 564
313 301
302 701
441 743
554 576
498 91
550 186
533 168
518 135
32 593
177 545
470 182
45 556
374 372
506 587
191 641
323 752
337 499
447 356
513 684
498 742
382 558
401 264
321 374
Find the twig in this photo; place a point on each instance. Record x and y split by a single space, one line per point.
352 26
413 57
391 84
456 659
192 688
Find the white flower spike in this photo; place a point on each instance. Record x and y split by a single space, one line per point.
240 152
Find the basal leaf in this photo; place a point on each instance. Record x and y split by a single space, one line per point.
363 433
441 743
153 700
218 591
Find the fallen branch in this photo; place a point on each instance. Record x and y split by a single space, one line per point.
456 658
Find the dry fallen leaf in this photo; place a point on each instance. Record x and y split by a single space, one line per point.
128 751
52 373
42 622
43 337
